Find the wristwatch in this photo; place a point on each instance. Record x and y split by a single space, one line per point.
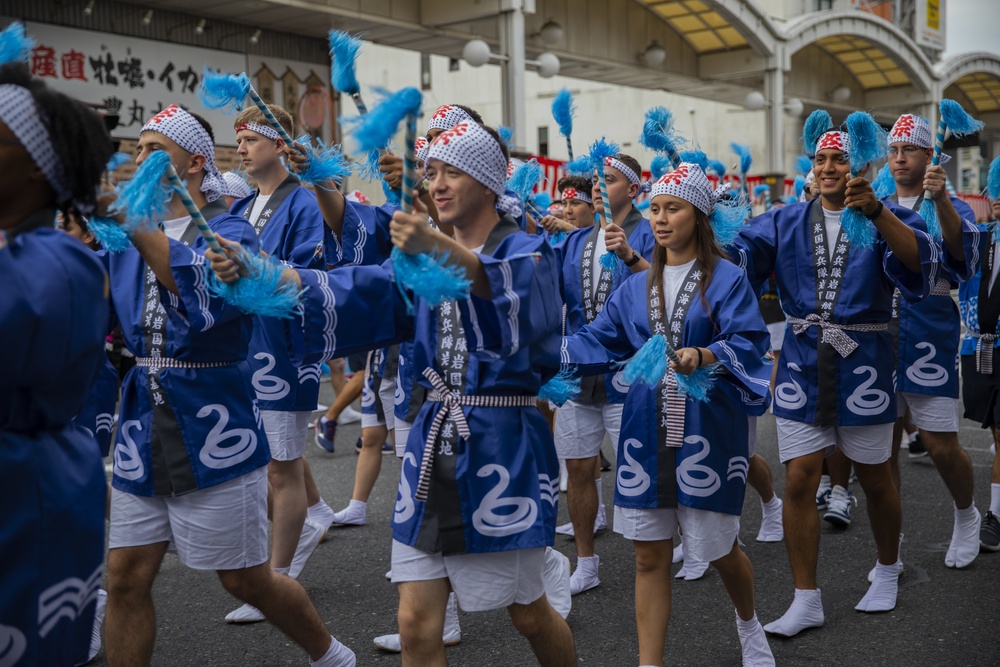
633 260
876 213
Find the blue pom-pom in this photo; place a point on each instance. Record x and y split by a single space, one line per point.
564 386
117 160
761 190
109 234
728 217
658 134
857 228
743 153
958 120
601 149
649 364
803 164
580 166
717 167
219 90
263 291
816 124
391 196
15 45
699 384
326 163
609 261
377 128
555 238
869 140
430 278
525 178
884 184
799 184
563 110
993 180
344 51
369 169
929 213
506 134
145 198
697 157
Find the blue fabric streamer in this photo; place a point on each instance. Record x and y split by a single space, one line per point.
803 164
344 51
816 124
377 128
391 196
761 190
564 386
928 211
728 217
430 278
868 144
525 178
369 169
145 198
109 234
219 90
15 45
325 163
541 200
958 120
799 184
858 229
649 364
580 166
884 184
609 261
699 384
563 110
263 291
555 238
506 134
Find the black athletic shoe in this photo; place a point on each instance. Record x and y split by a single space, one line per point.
989 533
917 449
605 463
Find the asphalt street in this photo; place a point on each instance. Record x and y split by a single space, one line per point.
943 616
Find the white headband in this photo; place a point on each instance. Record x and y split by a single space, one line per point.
184 130
420 149
448 116
235 186
911 129
469 147
265 130
627 171
689 183
19 112
835 139
573 193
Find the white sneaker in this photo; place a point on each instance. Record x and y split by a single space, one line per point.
585 577
245 614
772 529
451 636
349 416
95 630
312 534
557 581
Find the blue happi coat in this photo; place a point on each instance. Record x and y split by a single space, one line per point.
293 233
498 490
576 266
815 385
184 429
929 330
969 294
98 413
54 310
710 470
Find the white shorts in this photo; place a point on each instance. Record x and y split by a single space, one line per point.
862 444
387 397
580 428
481 581
707 535
222 527
402 432
938 414
777 331
286 433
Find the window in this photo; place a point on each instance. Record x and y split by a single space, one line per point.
543 141
822 5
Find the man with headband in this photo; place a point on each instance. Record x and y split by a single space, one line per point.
191 452
53 150
479 482
835 386
577 206
928 331
290 229
628 234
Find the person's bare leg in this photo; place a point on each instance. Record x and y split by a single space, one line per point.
801 519
421 622
548 633
337 377
652 598
548 412
884 511
349 394
581 493
953 464
840 469
288 508
736 573
369 462
283 602
130 620
897 443
313 495
759 477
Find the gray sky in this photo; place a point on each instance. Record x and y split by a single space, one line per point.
972 25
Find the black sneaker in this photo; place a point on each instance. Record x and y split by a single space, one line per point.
605 463
989 533
917 449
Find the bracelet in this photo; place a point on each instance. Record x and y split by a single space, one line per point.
633 260
700 358
876 213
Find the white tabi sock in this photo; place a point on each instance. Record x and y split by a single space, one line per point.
337 655
753 643
805 612
600 494
773 504
964 546
881 595
585 577
352 515
321 514
995 499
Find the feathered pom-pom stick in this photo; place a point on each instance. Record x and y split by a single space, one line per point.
344 51
803 164
816 124
376 129
506 134
884 184
555 238
659 166
145 198
525 179
601 150
369 169
431 278
541 200
649 365
220 90
956 120
658 134
15 45
717 167
563 110
262 291
697 157
760 191
699 384
745 160
580 166
564 386
993 192
868 144
325 163
112 236
799 185
730 214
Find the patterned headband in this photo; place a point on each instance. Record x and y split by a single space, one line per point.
914 130
447 117
835 139
470 148
420 149
235 186
19 112
573 193
689 182
627 171
265 130
184 130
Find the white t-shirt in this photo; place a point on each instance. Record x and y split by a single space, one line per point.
600 247
175 228
673 276
259 203
908 202
832 221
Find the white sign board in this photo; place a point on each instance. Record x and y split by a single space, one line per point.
928 24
